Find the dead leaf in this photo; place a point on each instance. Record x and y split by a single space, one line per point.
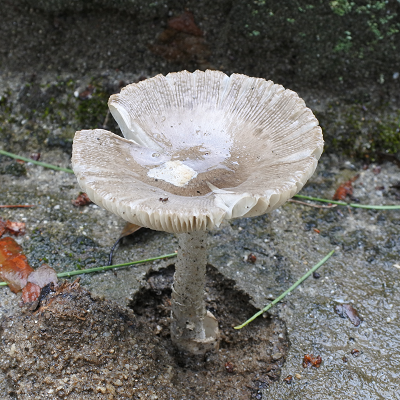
15 228
347 310
14 267
345 189
30 293
2 227
81 200
311 360
43 276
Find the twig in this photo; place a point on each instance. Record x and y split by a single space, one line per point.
342 203
105 268
17 206
311 205
278 299
6 153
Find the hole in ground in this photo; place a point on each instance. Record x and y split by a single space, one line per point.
248 360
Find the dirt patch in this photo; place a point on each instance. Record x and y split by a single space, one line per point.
248 360
76 346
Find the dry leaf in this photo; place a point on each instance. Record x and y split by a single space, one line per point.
15 228
81 200
347 310
43 276
2 227
311 360
14 267
30 293
345 189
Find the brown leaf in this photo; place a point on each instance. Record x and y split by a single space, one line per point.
2 227
347 310
43 276
30 293
81 200
311 360
15 228
345 189
14 267
129 229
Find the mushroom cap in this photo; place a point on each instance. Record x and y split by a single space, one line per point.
199 148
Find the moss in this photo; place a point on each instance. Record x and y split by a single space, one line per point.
13 168
92 111
362 131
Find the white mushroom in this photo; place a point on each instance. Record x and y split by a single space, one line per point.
199 148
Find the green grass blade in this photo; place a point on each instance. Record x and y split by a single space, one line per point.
105 268
343 203
294 286
6 153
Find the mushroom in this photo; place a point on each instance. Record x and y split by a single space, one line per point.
199 148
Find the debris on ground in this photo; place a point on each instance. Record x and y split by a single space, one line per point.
35 156
345 190
14 267
310 360
251 258
13 228
347 310
355 353
229 367
16 271
289 379
81 200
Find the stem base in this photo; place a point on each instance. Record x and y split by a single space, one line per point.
201 346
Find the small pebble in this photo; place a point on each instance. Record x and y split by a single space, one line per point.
355 353
251 258
288 379
276 356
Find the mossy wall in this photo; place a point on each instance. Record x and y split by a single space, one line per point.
345 54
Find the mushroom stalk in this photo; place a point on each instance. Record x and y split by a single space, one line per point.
193 328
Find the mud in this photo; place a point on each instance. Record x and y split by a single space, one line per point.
77 346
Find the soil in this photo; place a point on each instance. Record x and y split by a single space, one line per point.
77 346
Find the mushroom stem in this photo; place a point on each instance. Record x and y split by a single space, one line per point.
193 328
